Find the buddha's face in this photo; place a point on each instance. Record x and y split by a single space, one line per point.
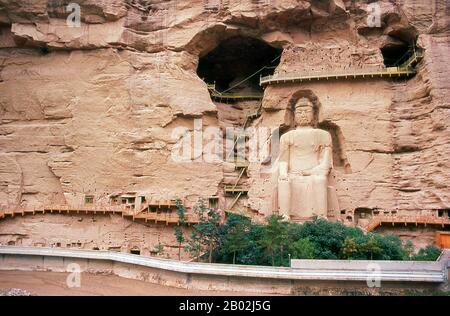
304 113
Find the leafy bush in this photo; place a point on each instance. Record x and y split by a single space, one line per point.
429 253
240 241
302 249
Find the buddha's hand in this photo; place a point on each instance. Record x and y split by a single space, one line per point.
320 171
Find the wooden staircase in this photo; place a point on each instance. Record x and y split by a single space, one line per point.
241 166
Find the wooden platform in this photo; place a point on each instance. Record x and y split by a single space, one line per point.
230 96
364 73
233 97
231 189
392 221
156 217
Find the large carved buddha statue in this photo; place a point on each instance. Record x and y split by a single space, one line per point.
304 164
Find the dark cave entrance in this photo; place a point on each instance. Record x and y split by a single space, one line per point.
235 60
398 51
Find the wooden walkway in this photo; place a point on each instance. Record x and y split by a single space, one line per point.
143 216
232 97
392 221
365 73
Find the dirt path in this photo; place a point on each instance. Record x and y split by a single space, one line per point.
54 283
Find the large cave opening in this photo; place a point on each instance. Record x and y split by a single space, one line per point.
394 55
398 51
236 64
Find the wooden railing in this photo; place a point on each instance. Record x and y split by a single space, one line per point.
234 189
352 73
411 61
231 96
377 221
162 217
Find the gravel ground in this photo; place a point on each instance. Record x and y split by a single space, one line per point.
14 292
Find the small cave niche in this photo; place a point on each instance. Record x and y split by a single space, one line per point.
44 50
340 160
443 212
365 212
236 59
135 251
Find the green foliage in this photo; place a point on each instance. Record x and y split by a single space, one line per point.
179 235
194 247
429 253
350 248
180 239
205 235
409 249
327 237
371 247
302 249
238 240
181 211
274 239
159 248
392 248
233 235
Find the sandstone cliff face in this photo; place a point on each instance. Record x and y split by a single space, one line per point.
102 232
91 109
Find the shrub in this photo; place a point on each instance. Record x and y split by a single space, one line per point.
429 253
238 240
302 249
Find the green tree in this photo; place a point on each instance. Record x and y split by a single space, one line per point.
275 238
302 249
180 239
206 234
372 247
327 237
234 237
391 245
181 211
254 253
194 247
350 248
409 249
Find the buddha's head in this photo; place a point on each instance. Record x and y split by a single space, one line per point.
304 113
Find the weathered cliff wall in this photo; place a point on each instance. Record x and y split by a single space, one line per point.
92 109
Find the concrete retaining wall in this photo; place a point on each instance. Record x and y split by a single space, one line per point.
350 265
314 276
